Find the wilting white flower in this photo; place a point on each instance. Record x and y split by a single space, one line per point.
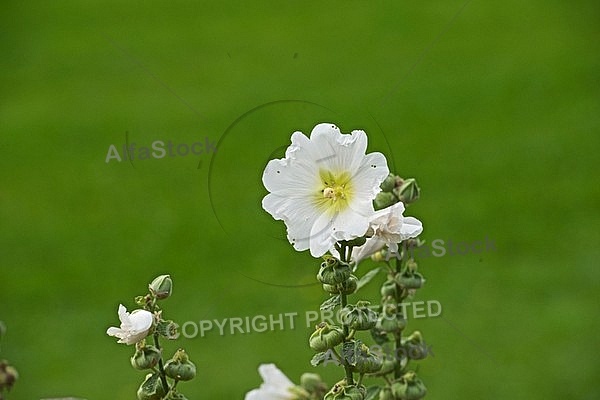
388 227
276 385
134 326
324 187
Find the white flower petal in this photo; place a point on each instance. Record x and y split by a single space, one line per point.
389 227
323 189
134 326
411 227
371 246
276 385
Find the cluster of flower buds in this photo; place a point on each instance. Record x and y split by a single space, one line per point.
8 373
149 321
395 189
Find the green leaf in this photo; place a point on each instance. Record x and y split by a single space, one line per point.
318 358
368 277
331 302
351 351
372 392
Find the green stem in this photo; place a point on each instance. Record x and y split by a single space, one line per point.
344 300
360 378
398 335
161 368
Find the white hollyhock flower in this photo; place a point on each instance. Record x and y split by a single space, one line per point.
276 385
324 187
388 227
134 326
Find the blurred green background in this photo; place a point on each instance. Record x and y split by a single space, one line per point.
498 120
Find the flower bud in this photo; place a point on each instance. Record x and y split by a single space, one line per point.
313 384
145 357
389 320
389 365
365 362
8 375
359 317
151 388
161 287
408 191
380 256
415 346
342 391
389 288
386 393
410 280
2 329
347 287
409 387
180 367
333 271
384 199
388 183
326 337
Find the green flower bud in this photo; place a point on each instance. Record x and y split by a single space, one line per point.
388 183
410 280
359 317
326 337
161 287
347 287
313 384
333 271
8 375
151 388
2 329
415 346
388 366
389 320
408 191
342 391
389 288
145 357
386 393
180 367
384 199
409 387
380 256
365 362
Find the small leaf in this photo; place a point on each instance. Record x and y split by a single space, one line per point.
331 302
368 277
318 359
351 351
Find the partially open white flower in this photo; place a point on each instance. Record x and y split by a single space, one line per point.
388 227
276 385
324 187
134 326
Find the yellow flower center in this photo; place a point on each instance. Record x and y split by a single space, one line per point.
335 191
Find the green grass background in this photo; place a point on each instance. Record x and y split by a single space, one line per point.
498 120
